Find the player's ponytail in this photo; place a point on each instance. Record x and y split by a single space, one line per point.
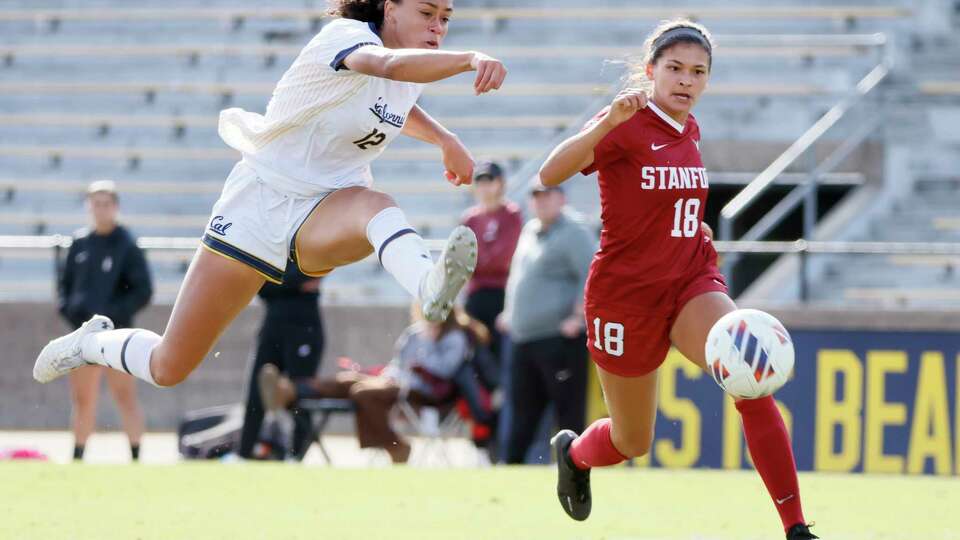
664 36
360 10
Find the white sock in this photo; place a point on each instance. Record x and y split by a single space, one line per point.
400 248
127 350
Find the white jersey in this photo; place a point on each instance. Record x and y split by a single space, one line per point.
324 124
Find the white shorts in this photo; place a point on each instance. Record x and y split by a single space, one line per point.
256 224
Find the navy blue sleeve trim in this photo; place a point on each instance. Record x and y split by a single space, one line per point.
337 63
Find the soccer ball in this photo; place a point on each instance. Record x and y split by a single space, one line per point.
749 353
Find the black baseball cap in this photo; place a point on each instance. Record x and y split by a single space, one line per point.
487 170
536 186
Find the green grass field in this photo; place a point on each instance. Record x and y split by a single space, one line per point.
280 501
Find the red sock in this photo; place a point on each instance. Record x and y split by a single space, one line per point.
595 447
772 455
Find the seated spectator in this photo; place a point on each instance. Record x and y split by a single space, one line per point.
430 365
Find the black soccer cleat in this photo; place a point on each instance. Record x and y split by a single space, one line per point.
573 484
800 531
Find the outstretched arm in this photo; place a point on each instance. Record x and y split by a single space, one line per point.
576 153
426 65
424 127
457 161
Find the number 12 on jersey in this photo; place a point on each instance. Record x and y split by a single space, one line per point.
612 337
689 214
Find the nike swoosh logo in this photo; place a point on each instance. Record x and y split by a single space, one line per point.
785 499
656 147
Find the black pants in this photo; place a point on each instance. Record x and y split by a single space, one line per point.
485 305
296 350
551 370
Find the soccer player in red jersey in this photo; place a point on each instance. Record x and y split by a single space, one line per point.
654 282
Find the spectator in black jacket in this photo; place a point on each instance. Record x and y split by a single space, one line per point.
106 273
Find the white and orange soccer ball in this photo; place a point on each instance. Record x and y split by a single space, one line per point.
749 353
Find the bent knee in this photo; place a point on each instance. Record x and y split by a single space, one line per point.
168 374
375 201
167 378
171 364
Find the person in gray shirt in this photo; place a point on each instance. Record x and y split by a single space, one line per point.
544 316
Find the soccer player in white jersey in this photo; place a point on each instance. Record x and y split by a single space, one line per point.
302 189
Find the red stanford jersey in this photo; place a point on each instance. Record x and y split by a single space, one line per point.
497 235
653 189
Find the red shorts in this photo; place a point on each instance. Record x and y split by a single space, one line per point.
632 343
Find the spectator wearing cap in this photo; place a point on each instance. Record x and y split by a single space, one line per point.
497 223
105 272
543 314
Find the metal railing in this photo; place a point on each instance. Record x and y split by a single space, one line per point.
806 193
803 248
59 241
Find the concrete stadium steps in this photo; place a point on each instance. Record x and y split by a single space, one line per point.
930 214
131 186
38 264
236 63
899 296
169 133
146 120
339 289
783 109
884 270
170 215
587 83
943 228
29 274
891 293
519 120
557 69
550 99
275 55
167 222
359 283
422 161
472 17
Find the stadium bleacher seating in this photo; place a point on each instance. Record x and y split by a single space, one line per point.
133 94
930 213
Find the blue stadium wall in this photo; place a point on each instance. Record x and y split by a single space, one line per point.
859 401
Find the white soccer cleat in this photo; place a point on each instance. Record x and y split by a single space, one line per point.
62 355
449 274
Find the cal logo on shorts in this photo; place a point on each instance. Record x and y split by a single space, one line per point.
218 226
